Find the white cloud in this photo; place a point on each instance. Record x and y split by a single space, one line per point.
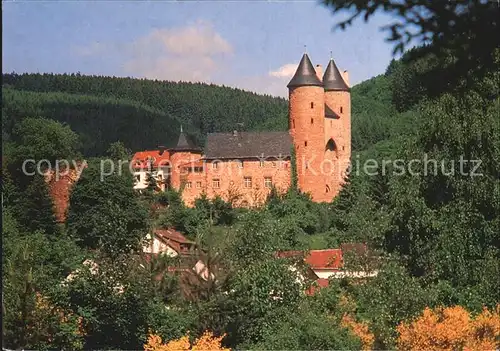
192 53
285 71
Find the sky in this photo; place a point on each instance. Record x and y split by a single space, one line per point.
254 46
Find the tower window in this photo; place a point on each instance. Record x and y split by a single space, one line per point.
312 104
312 120
305 143
341 110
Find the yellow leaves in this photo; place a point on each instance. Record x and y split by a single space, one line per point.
359 329
208 342
204 343
450 328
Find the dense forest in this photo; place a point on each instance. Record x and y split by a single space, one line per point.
433 236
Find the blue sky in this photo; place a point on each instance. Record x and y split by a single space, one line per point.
250 45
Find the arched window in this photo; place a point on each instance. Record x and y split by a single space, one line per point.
327 190
305 143
312 104
341 109
331 149
330 145
312 120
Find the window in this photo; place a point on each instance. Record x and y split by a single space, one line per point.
273 164
312 120
305 143
312 104
261 163
327 190
293 123
188 185
268 182
341 109
215 183
343 148
248 182
331 123
239 163
215 165
307 164
198 169
198 185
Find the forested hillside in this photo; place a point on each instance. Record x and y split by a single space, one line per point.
431 228
144 114
147 112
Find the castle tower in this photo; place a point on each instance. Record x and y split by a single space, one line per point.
306 126
337 124
184 152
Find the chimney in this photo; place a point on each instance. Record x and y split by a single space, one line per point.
345 75
319 72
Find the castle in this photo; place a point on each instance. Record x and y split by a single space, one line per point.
242 167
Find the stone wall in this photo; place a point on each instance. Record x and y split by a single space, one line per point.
231 181
60 190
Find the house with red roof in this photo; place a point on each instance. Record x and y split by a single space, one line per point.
329 263
169 242
155 162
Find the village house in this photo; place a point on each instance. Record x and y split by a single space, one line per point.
243 167
329 264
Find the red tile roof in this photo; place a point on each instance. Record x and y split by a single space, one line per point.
140 159
325 259
173 238
318 259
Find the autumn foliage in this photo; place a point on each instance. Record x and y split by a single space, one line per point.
451 328
359 329
204 343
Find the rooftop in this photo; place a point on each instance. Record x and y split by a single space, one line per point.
248 145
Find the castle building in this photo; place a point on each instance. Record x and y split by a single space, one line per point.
242 167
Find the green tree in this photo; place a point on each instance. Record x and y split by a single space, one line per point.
459 33
106 214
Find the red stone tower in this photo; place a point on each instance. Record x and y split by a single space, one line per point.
320 126
306 125
337 124
184 152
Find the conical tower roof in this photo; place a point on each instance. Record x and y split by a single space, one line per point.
332 79
184 144
305 74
